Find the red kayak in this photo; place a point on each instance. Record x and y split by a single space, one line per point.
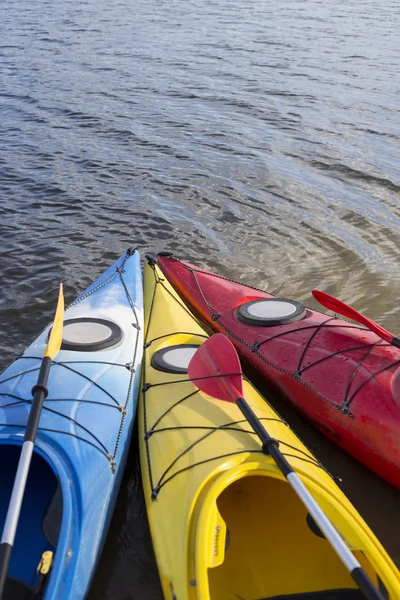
342 377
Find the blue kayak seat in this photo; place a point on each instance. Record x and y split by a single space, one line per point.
343 594
15 589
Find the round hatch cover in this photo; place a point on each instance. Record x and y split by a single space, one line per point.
269 312
87 334
174 359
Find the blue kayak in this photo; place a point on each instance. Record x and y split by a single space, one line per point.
83 438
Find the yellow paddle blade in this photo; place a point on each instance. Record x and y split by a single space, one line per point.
55 339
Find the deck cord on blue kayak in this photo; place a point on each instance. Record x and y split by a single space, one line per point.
62 364
21 400
209 430
74 435
345 407
122 408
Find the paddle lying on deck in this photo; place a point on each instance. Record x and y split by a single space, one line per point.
337 306
215 369
39 393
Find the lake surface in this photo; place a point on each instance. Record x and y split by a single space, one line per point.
258 139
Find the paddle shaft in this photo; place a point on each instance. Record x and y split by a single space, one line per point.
39 393
271 446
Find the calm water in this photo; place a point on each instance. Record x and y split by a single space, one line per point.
260 139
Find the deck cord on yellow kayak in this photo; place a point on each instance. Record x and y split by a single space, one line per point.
345 407
149 432
122 408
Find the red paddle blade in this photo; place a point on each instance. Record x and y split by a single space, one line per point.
341 308
216 370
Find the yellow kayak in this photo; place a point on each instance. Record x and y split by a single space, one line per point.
224 521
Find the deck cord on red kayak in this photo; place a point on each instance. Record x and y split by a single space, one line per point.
370 378
345 407
257 345
347 400
231 426
111 456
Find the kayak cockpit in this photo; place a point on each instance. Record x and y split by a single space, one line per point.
39 523
261 545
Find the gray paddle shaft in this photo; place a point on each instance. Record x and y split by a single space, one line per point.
271 446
